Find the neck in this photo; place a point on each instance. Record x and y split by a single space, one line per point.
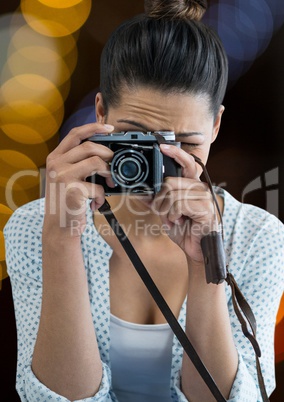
134 215
129 208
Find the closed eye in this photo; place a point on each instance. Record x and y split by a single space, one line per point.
186 144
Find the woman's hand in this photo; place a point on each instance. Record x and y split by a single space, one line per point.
66 170
185 205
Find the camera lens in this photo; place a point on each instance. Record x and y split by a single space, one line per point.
129 168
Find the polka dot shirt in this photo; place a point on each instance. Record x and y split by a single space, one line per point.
254 245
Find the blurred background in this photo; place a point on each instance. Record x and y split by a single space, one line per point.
49 75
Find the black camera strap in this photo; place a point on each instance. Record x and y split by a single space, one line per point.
212 244
161 302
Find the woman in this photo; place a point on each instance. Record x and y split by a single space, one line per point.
88 328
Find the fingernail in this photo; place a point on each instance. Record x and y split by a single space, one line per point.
165 146
109 127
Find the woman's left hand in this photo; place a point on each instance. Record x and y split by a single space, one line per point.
185 205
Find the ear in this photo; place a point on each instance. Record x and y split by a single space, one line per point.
100 111
217 123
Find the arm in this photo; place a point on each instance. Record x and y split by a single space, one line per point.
260 276
23 256
258 271
186 208
66 357
62 345
208 328
211 322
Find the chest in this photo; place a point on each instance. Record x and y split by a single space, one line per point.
130 300
139 355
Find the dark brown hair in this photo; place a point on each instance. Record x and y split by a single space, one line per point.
164 50
183 9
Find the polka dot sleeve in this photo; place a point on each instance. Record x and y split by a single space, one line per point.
23 252
254 243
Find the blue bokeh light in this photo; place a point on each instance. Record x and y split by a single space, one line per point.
246 28
85 114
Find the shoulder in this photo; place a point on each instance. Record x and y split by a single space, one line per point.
23 244
23 233
248 219
25 223
254 240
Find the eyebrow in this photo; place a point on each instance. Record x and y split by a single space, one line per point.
133 123
140 125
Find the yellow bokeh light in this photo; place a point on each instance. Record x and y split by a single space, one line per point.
25 36
18 196
32 53
28 52
30 123
36 152
5 214
18 173
57 72
27 135
39 61
61 3
13 161
34 102
3 271
19 177
35 81
52 21
32 88
2 246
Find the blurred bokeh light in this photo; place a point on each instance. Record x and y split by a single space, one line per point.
26 115
51 20
38 57
5 214
246 28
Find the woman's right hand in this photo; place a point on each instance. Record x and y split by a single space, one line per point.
67 168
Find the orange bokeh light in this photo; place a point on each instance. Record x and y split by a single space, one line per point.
19 177
280 314
29 122
31 108
61 3
51 21
39 61
3 272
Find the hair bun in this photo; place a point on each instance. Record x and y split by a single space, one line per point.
175 9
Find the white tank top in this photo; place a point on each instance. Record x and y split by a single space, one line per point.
140 357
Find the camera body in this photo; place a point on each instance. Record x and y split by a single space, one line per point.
138 166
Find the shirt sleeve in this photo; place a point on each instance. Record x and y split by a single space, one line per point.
259 271
260 276
23 256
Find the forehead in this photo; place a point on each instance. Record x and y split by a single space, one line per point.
161 110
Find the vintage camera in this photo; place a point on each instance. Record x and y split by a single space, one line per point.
138 166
